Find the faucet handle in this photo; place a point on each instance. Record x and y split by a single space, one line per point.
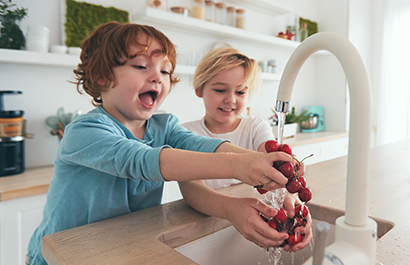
322 229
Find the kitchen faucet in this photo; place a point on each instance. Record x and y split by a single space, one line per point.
355 240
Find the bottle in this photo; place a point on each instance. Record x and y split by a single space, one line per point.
240 18
198 9
210 11
230 16
303 32
220 13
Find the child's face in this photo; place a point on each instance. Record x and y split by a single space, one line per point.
224 99
142 85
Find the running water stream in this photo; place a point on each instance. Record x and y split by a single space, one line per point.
276 199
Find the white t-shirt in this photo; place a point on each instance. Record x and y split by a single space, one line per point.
250 133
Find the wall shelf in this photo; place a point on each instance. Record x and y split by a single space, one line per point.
195 26
21 57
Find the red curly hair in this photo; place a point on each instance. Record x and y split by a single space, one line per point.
107 47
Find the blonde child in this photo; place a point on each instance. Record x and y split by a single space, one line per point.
226 79
115 159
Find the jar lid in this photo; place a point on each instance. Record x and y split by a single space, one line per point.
9 113
230 9
209 2
240 11
220 5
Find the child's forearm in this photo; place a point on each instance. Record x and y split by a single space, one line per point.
228 147
182 165
204 199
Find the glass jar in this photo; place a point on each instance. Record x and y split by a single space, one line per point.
198 9
303 33
220 13
158 4
230 16
240 18
210 11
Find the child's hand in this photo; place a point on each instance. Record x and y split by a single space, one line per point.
256 169
243 213
289 205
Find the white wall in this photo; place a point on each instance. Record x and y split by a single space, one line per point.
45 89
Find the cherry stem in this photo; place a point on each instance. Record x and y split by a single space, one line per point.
303 158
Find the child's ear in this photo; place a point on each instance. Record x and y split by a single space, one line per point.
198 92
101 82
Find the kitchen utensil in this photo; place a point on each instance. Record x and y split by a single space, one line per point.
316 123
12 136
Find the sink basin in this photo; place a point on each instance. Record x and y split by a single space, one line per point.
227 246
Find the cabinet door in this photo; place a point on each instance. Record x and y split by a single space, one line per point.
336 148
317 149
18 220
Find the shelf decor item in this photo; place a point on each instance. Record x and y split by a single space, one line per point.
292 119
311 26
11 36
82 18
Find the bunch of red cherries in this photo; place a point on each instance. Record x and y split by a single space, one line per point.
283 223
296 183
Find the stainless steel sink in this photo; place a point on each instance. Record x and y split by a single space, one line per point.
227 246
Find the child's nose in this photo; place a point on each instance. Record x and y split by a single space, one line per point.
230 98
156 77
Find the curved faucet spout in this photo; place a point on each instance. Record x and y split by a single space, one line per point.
357 190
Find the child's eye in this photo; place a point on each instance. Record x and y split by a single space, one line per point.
241 93
219 90
139 67
165 72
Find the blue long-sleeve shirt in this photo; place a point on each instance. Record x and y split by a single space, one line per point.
103 171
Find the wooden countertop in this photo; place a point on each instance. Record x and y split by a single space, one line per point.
148 236
32 181
36 181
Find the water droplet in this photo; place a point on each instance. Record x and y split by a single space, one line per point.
330 200
387 251
394 253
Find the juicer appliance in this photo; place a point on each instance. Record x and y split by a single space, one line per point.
317 121
12 134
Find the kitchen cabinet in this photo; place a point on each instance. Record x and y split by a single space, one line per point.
18 220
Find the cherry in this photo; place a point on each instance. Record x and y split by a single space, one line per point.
294 239
305 194
287 169
274 224
271 146
285 148
282 216
261 191
301 210
293 185
302 181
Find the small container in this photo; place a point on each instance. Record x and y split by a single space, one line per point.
303 32
263 65
180 10
210 11
273 66
220 13
230 16
198 9
158 4
60 49
240 18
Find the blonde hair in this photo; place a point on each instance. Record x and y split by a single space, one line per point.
223 59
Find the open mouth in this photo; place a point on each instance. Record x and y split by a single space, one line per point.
148 98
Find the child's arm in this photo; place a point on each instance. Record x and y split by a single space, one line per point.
228 161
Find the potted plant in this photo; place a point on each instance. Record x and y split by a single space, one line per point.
292 119
11 36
